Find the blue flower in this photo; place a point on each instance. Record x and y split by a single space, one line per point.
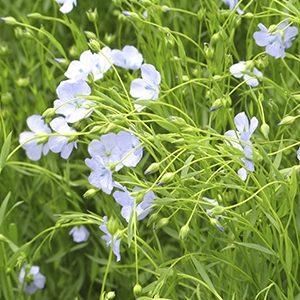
232 5
79 233
70 102
34 144
67 5
130 149
147 87
298 154
112 152
240 139
125 199
101 176
242 69
276 39
96 64
111 240
31 280
128 58
62 143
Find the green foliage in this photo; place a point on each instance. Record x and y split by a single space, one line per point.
177 252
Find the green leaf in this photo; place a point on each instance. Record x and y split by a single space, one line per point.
201 270
5 151
185 169
3 208
256 247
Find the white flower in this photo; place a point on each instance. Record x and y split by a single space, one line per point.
61 144
35 146
67 5
70 104
90 63
79 233
147 87
242 69
128 58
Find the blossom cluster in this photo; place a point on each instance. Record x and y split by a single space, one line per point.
111 152
72 104
276 39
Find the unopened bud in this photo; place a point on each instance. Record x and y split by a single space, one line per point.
201 14
112 226
3 50
184 231
94 45
162 222
185 78
9 20
287 120
22 82
110 295
217 224
165 8
167 177
49 112
248 15
216 105
154 167
35 16
215 38
217 210
137 290
92 15
90 193
109 38
209 52
90 35
265 129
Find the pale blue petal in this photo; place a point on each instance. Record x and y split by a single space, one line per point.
276 50
242 172
150 74
116 249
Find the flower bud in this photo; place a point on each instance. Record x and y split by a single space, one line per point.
265 129
4 50
92 15
184 231
94 45
10 20
217 224
217 210
137 290
112 226
22 82
215 38
6 98
185 78
49 112
201 14
248 15
167 177
287 120
154 167
90 35
209 52
216 105
109 38
110 295
35 16
165 8
162 222
90 193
